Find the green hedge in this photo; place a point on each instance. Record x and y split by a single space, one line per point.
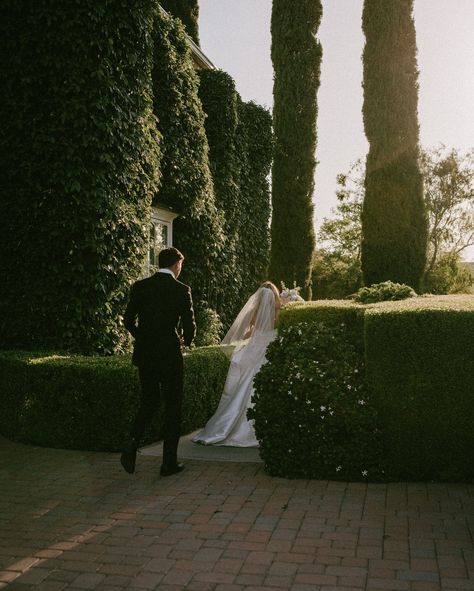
419 375
313 416
80 163
89 402
420 371
329 312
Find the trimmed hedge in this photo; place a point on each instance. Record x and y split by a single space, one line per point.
329 312
89 402
313 416
420 371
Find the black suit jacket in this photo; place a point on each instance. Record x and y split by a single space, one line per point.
157 306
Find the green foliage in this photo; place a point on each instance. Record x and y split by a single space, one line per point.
449 198
448 276
449 194
188 12
80 162
240 142
331 313
420 372
394 224
313 417
336 269
382 292
255 148
208 326
334 276
418 388
296 57
186 185
89 402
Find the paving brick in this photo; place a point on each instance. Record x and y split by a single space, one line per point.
222 526
88 581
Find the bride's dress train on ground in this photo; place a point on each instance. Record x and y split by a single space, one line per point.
252 332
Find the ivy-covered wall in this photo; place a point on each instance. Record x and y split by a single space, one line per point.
188 12
240 142
256 143
80 161
186 185
100 116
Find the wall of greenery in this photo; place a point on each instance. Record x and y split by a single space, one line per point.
255 143
186 184
240 142
188 13
80 161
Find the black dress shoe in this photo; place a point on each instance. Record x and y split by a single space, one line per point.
169 470
129 456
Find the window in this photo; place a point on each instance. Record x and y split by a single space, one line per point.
160 236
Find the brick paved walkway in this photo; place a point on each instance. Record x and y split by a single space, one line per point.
74 520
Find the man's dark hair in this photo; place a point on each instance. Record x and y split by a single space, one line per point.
168 257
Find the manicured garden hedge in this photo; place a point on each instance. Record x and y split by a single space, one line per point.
418 396
420 371
89 402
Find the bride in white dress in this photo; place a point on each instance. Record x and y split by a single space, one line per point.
251 333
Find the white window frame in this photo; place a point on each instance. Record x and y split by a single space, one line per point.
162 217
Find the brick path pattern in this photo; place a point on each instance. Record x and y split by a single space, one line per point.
74 520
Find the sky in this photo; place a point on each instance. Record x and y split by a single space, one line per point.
235 36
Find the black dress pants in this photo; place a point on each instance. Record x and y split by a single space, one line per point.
161 385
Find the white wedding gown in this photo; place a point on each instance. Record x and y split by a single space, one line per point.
229 424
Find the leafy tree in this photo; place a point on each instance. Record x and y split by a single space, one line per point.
188 12
448 177
448 275
296 57
449 195
336 265
393 218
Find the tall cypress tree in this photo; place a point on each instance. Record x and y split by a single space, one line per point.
296 57
188 12
394 224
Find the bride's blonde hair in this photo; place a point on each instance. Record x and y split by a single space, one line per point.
273 287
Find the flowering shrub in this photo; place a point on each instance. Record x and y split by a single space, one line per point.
381 292
313 418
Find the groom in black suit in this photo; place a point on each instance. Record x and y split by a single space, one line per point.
157 306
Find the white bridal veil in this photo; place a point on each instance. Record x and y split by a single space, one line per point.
257 317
